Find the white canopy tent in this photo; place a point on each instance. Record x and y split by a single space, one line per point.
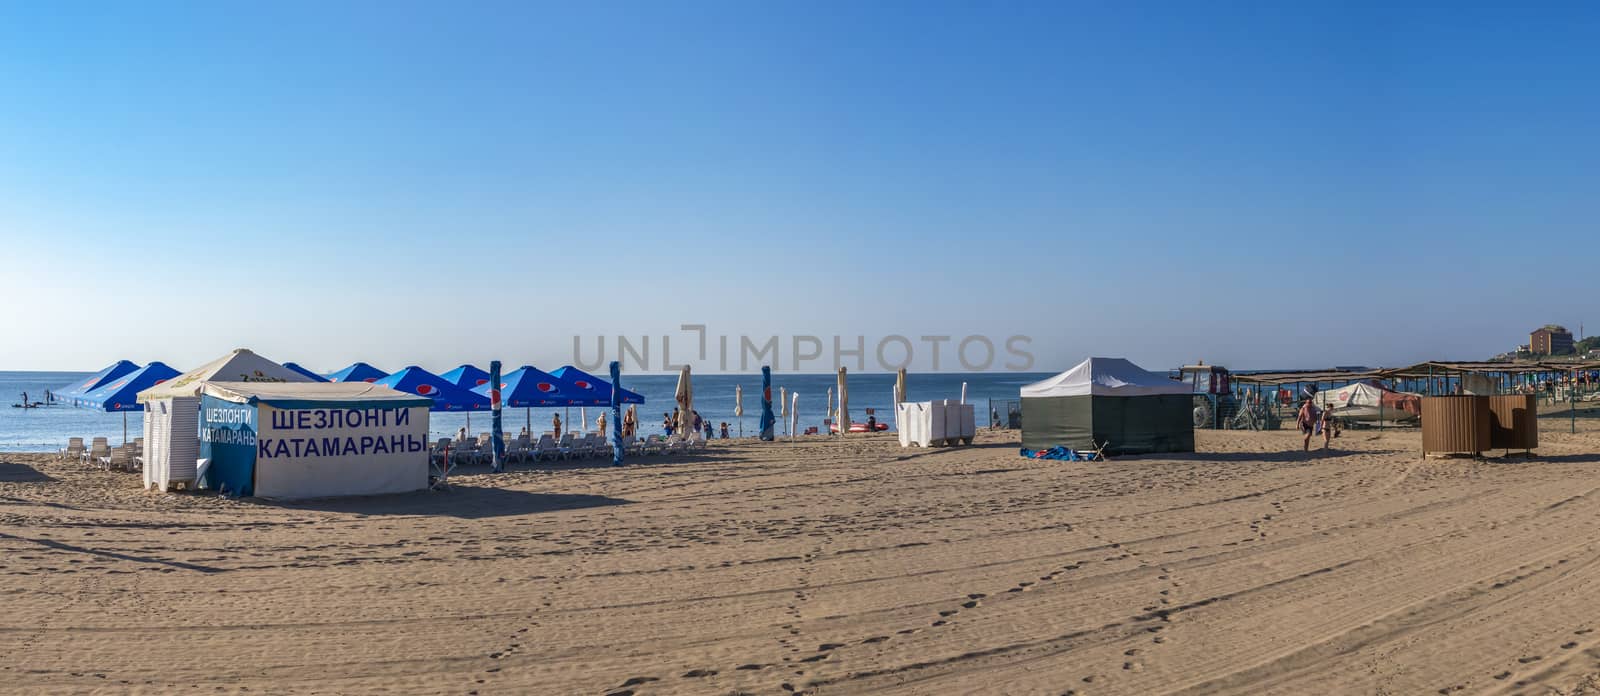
1105 377
172 413
315 439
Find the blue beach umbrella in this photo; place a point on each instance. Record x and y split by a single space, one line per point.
529 387
446 396
309 374
357 372
122 394
467 376
106 375
590 390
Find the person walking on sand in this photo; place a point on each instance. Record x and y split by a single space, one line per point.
1330 427
1307 420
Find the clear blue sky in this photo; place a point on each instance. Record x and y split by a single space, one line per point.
1270 184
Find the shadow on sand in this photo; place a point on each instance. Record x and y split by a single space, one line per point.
1316 453
463 502
113 555
12 472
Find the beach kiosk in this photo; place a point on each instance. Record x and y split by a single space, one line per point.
172 413
312 440
1110 403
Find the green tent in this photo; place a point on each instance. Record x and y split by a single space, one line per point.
1108 402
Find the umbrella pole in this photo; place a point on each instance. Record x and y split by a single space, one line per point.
124 427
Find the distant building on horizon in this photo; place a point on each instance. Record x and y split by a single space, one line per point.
1550 339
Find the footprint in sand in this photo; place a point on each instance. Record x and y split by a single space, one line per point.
1503 676
635 681
878 639
1526 660
970 605
697 673
1569 646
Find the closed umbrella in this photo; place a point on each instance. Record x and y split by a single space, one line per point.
844 403
900 385
685 398
794 415
783 406
766 403
828 409
738 407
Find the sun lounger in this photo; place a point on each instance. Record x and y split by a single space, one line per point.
544 449
466 453
438 451
632 446
119 458
565 448
593 446
674 445
74 449
98 449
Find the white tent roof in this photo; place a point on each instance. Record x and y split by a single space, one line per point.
239 366
1105 377
310 391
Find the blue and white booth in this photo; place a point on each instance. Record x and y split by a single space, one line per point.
312 440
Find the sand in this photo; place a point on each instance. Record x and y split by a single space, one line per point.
830 567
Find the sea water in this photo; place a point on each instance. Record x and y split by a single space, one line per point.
47 428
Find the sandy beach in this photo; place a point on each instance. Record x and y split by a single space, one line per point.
830 567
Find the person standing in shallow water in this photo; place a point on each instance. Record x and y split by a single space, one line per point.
1307 420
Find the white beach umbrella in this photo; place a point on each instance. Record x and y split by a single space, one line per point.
844 403
685 398
783 406
900 385
738 407
963 392
828 408
794 415
583 421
